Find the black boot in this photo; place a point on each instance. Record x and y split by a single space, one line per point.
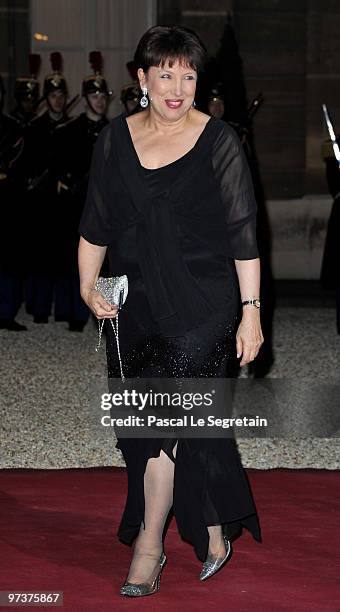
12 325
77 326
337 308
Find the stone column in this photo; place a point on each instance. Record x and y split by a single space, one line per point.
272 39
207 19
14 44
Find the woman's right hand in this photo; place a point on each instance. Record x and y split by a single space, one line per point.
100 307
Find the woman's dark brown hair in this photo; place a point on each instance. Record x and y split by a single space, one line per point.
174 43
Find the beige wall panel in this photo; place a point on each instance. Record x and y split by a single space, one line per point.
62 20
121 24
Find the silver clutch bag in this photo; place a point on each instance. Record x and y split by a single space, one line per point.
114 290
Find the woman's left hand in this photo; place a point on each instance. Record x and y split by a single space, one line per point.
249 337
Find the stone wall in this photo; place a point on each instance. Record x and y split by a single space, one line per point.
298 232
322 82
290 53
272 37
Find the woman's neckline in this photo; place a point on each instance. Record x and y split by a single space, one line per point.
170 164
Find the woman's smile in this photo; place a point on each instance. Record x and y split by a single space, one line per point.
174 103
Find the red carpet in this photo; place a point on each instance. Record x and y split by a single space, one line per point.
58 533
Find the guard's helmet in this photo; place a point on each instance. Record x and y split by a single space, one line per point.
216 92
28 86
130 92
95 83
55 80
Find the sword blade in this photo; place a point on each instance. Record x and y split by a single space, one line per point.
331 132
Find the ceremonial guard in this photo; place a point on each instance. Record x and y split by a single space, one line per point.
75 143
130 93
330 268
39 157
216 106
26 94
11 251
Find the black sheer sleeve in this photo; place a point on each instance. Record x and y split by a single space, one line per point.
96 223
237 195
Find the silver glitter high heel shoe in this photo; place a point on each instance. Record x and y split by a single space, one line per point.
212 563
138 590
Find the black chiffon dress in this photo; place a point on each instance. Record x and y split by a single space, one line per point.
175 232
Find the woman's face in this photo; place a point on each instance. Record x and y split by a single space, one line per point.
172 89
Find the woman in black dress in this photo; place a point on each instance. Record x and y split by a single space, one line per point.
171 200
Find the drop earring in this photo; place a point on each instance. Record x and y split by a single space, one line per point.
144 100
193 104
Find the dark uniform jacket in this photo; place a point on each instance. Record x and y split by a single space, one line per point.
72 161
11 225
38 175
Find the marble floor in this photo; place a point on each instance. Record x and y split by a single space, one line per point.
47 373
